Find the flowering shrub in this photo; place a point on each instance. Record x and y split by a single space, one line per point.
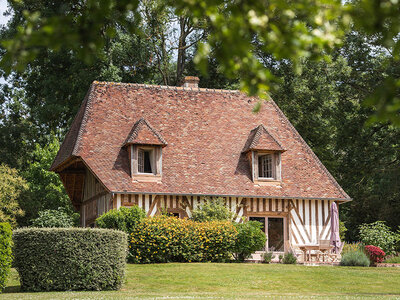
379 234
376 254
168 239
351 247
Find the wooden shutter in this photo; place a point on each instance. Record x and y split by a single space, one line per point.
278 171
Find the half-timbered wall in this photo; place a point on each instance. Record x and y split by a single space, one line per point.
96 200
308 221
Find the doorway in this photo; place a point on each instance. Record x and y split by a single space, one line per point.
274 229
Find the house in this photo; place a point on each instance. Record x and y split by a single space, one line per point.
166 148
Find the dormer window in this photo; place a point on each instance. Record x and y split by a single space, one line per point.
264 154
266 169
145 146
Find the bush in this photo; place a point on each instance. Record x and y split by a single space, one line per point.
393 260
61 259
350 247
52 218
267 257
380 235
375 254
250 238
167 239
355 258
124 219
289 259
213 209
5 253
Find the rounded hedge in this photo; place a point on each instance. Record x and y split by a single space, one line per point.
5 253
355 258
60 259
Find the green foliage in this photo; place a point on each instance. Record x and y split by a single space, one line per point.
268 257
5 253
289 259
342 230
168 239
352 247
213 209
250 238
55 259
124 219
379 234
46 190
52 218
11 187
393 259
355 258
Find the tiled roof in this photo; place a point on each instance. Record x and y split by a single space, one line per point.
206 131
143 133
261 139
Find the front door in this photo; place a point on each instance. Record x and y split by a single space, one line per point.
276 236
274 229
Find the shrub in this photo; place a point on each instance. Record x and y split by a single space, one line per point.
213 209
167 239
267 257
250 238
124 219
12 185
52 218
380 235
289 259
60 259
375 254
393 259
355 258
342 230
5 253
350 247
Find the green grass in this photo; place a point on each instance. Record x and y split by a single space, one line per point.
238 281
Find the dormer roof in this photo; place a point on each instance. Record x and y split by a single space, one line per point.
142 133
261 139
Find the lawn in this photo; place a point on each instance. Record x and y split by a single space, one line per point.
244 281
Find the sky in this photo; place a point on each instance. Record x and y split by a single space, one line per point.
3 20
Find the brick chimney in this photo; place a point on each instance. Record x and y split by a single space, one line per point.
190 82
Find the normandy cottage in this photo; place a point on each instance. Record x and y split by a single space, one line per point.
165 148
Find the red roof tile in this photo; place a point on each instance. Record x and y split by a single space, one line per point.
261 139
143 133
206 132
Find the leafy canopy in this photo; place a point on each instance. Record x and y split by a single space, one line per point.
285 29
56 218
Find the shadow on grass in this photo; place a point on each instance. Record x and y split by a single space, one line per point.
12 289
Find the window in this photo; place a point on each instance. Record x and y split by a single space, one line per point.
265 166
144 161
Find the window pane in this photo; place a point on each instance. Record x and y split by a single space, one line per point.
140 161
265 166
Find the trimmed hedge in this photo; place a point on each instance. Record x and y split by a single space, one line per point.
5 253
60 259
168 239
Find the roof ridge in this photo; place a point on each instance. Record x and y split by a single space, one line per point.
257 135
168 87
309 150
85 118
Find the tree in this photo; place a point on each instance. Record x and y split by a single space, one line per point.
45 190
11 187
59 218
285 29
213 209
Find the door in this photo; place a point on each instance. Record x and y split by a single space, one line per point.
276 234
274 229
